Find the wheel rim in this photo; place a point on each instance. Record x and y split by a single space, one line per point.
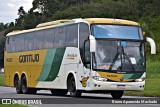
24 85
17 85
73 86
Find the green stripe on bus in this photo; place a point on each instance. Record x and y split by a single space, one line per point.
51 64
136 75
56 64
127 76
47 64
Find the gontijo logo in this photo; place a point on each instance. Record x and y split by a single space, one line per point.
29 58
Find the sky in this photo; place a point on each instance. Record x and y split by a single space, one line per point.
9 9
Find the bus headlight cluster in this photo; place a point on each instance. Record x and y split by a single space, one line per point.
140 80
98 78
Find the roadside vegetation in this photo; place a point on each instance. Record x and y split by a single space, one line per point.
12 105
1 79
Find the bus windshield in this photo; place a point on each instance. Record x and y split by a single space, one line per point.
116 49
119 56
117 31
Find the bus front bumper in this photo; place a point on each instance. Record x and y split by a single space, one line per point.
104 85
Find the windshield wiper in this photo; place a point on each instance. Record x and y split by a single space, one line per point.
127 57
124 55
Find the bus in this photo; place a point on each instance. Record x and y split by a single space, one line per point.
91 55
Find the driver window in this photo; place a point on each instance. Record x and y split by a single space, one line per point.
87 51
87 54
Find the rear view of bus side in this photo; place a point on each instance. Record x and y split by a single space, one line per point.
96 55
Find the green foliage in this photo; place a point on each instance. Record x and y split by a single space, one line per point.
98 9
1 26
1 79
12 105
2 44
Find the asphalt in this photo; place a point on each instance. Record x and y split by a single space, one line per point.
87 100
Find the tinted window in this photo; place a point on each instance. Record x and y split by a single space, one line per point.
59 37
116 31
62 34
48 38
13 43
8 42
38 40
83 36
19 42
56 41
29 38
72 35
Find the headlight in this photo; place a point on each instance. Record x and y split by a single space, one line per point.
140 80
98 78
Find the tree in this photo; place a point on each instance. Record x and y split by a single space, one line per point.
1 26
21 12
19 22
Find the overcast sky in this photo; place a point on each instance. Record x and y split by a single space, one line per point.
9 9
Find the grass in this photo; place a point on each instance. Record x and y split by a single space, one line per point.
152 86
12 105
1 79
152 89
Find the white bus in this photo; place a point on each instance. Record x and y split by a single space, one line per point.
96 55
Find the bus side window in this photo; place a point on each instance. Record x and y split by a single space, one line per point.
48 38
87 51
13 44
20 43
72 35
8 48
83 36
38 40
61 37
56 40
29 41
87 54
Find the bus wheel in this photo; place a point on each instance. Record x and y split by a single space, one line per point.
24 85
72 88
59 92
17 84
117 94
25 89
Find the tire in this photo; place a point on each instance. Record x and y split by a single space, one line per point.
117 94
25 89
59 92
17 85
72 88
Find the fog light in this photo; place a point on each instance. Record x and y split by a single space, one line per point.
140 80
98 78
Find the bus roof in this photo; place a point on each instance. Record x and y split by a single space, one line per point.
110 21
52 24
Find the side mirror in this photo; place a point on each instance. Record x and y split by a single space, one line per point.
92 43
152 44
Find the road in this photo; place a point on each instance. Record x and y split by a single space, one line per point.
87 100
